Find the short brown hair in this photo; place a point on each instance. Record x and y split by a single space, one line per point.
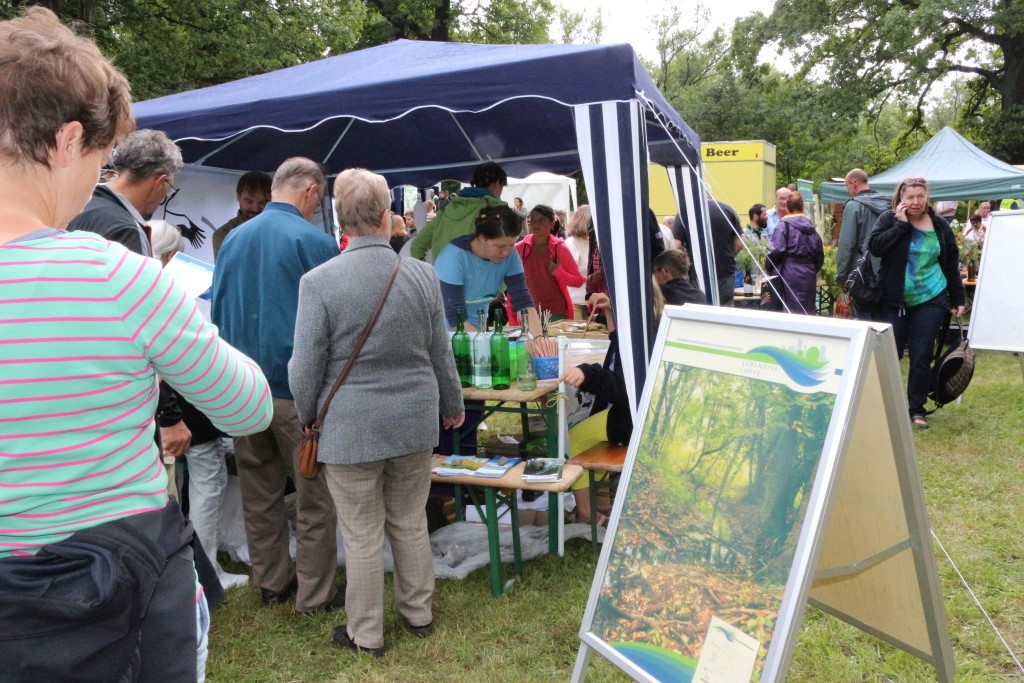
50 77
795 203
254 181
360 199
857 175
675 262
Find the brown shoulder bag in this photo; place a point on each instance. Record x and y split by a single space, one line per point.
309 466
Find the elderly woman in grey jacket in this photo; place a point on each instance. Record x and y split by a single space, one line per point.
380 428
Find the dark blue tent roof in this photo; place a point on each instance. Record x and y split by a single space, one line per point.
419 112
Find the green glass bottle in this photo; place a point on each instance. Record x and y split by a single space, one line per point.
461 348
499 356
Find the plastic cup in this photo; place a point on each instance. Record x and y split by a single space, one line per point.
546 368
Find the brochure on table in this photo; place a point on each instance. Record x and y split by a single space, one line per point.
772 464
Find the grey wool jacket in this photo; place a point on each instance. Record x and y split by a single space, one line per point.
405 375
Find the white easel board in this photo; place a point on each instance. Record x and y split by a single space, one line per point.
772 464
997 315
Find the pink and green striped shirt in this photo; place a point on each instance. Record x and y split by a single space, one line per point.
86 327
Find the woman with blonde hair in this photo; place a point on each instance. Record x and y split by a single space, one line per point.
399 233
97 580
920 280
578 241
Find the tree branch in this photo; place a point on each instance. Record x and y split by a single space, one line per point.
988 74
972 30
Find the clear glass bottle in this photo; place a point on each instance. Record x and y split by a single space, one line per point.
499 356
461 347
526 380
482 354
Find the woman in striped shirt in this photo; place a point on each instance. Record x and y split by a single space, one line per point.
88 540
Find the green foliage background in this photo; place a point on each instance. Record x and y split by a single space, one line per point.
857 84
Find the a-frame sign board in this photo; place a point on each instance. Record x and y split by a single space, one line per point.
772 464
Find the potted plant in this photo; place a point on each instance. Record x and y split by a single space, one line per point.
970 255
750 260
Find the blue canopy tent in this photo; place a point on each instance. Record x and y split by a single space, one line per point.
420 112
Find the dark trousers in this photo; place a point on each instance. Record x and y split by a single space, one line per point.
864 313
916 328
726 290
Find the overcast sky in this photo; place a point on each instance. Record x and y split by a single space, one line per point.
629 22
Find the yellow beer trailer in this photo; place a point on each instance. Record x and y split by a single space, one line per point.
740 174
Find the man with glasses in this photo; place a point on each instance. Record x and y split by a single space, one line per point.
255 302
141 178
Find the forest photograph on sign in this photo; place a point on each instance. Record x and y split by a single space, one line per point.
710 520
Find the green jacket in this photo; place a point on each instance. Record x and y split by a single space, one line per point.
457 219
220 233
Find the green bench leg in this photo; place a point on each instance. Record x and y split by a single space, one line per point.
592 483
551 419
553 523
493 546
517 552
460 514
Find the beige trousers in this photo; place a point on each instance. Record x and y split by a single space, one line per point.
374 498
265 461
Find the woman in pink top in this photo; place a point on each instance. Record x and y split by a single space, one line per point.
550 267
97 580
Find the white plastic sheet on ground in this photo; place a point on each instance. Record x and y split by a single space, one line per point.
458 549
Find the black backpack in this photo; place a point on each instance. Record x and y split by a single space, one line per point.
862 283
953 368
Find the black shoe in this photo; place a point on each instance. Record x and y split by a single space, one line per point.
271 598
342 639
419 631
335 603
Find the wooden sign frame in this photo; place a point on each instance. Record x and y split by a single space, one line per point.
860 546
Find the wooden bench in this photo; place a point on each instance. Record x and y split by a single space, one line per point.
602 457
494 495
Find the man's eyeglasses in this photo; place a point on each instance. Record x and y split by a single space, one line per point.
171 191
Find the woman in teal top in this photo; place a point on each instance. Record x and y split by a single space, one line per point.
920 280
473 268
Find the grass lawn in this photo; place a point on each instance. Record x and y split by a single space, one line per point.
970 461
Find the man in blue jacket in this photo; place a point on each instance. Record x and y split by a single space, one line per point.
255 300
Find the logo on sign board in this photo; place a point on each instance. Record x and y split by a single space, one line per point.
807 368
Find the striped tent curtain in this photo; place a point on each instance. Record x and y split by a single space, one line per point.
612 141
688 188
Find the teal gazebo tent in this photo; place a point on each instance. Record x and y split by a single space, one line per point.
954 168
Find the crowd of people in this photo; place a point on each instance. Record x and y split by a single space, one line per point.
112 373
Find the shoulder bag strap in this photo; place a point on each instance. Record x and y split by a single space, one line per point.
358 347
940 341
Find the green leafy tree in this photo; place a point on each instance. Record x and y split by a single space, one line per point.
166 47
874 49
686 57
472 21
580 27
